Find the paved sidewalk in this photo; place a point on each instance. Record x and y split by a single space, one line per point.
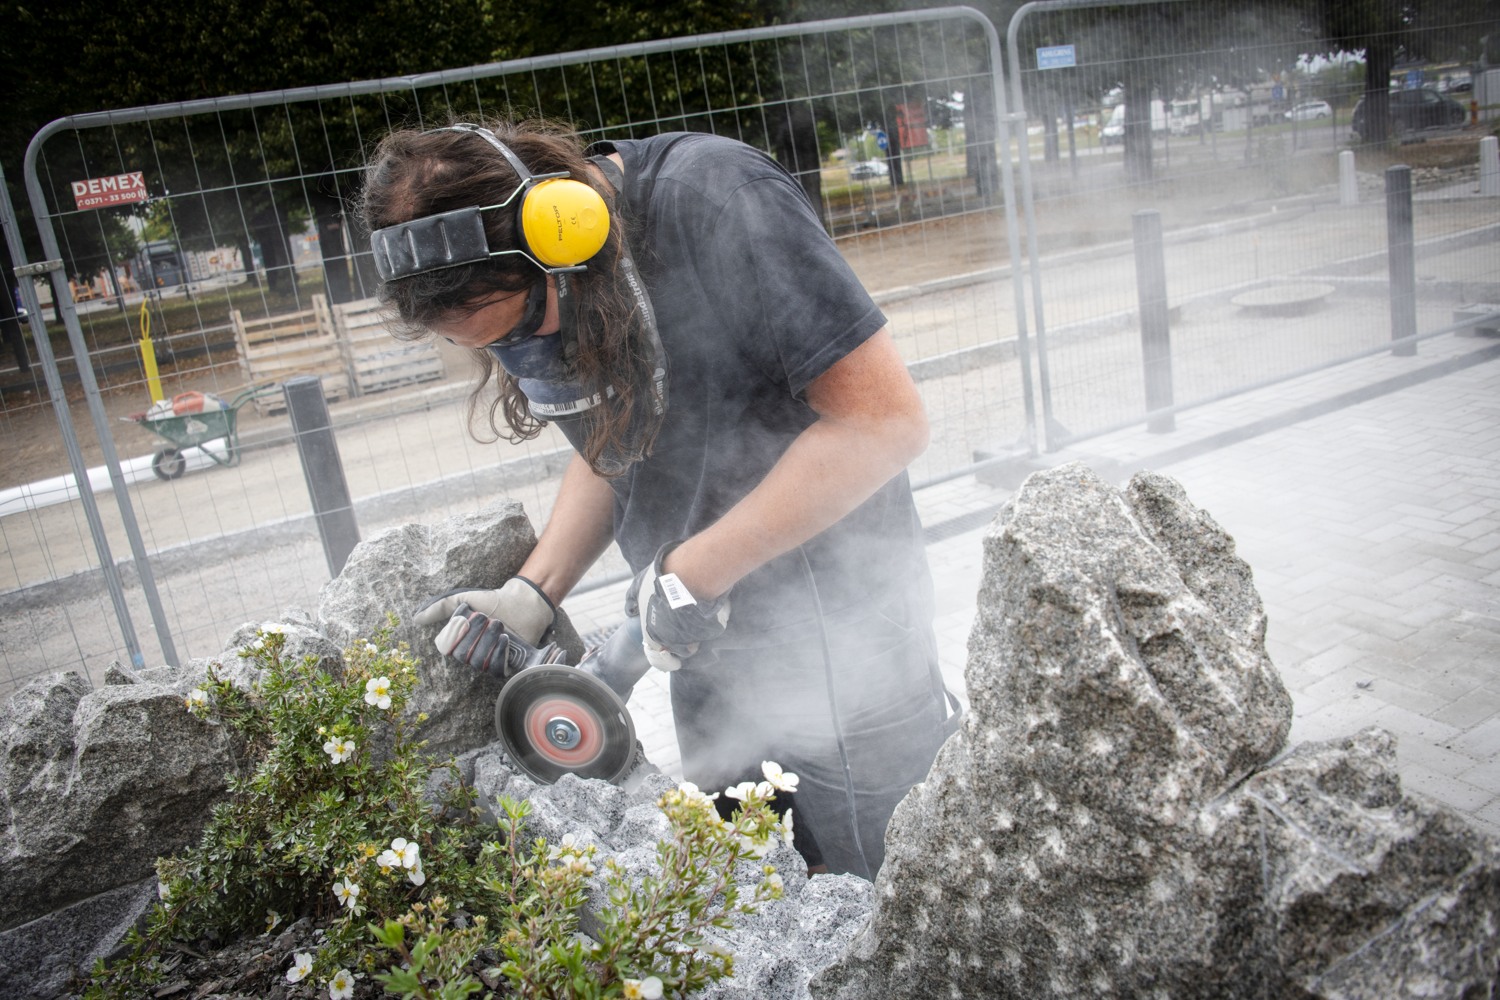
1366 500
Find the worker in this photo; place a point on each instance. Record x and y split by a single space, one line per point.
741 421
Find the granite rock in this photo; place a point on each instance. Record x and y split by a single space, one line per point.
1112 819
776 950
398 572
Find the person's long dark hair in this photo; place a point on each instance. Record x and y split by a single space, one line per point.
417 173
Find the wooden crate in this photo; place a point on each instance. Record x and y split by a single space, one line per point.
275 348
375 359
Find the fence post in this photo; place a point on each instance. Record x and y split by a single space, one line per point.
1156 344
1402 258
322 468
1348 179
1489 166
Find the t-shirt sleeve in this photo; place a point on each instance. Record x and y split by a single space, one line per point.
796 305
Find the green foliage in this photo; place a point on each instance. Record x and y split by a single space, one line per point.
330 822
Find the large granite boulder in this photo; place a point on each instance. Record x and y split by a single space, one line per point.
94 786
398 571
1110 821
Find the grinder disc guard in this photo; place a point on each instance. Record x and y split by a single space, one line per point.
556 719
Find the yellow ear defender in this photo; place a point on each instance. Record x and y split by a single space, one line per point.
563 221
562 224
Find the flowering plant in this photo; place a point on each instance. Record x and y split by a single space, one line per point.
331 822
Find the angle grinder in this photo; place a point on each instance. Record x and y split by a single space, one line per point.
555 718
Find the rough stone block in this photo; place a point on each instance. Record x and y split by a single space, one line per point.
398 571
1112 821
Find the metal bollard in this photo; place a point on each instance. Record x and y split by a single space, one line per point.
1348 179
1156 343
1489 166
322 468
1402 258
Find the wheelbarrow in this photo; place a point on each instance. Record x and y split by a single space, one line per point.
192 420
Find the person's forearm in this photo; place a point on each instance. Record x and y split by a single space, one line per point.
870 426
827 472
577 533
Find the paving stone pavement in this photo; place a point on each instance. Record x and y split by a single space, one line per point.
1366 500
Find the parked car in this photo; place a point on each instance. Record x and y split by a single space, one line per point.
1412 110
1309 111
868 170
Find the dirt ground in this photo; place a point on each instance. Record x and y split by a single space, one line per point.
885 255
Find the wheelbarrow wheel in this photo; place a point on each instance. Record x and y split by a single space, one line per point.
169 464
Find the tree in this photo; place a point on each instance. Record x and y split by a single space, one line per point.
1389 32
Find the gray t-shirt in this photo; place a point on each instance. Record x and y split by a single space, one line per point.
753 302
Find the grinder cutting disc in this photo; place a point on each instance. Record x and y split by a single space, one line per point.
554 719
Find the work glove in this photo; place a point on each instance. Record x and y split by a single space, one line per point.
477 620
673 624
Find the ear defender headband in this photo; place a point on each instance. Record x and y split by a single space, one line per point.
562 223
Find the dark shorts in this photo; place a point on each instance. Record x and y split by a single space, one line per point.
858 717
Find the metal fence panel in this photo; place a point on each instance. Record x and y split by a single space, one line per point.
1208 115
241 267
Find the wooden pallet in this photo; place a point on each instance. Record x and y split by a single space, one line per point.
376 360
275 348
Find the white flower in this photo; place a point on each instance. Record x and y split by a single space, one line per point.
370 647
782 781
401 854
273 920
273 628
568 845
741 791
753 847
196 698
163 891
745 789
339 749
692 791
301 966
378 692
417 875
643 989
341 986
347 892
786 827
773 880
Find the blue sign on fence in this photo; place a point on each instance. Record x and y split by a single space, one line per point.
1056 57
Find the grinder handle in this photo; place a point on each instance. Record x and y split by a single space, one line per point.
620 661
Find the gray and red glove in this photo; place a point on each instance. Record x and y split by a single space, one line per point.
673 622
477 621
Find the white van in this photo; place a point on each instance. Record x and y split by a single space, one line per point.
1114 129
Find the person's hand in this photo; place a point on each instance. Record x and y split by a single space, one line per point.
673 623
472 634
476 639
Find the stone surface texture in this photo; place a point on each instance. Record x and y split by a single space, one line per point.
776 949
1117 816
398 571
1112 819
95 785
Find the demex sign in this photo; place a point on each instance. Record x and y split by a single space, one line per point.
102 192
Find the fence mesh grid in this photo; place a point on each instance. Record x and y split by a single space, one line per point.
243 266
